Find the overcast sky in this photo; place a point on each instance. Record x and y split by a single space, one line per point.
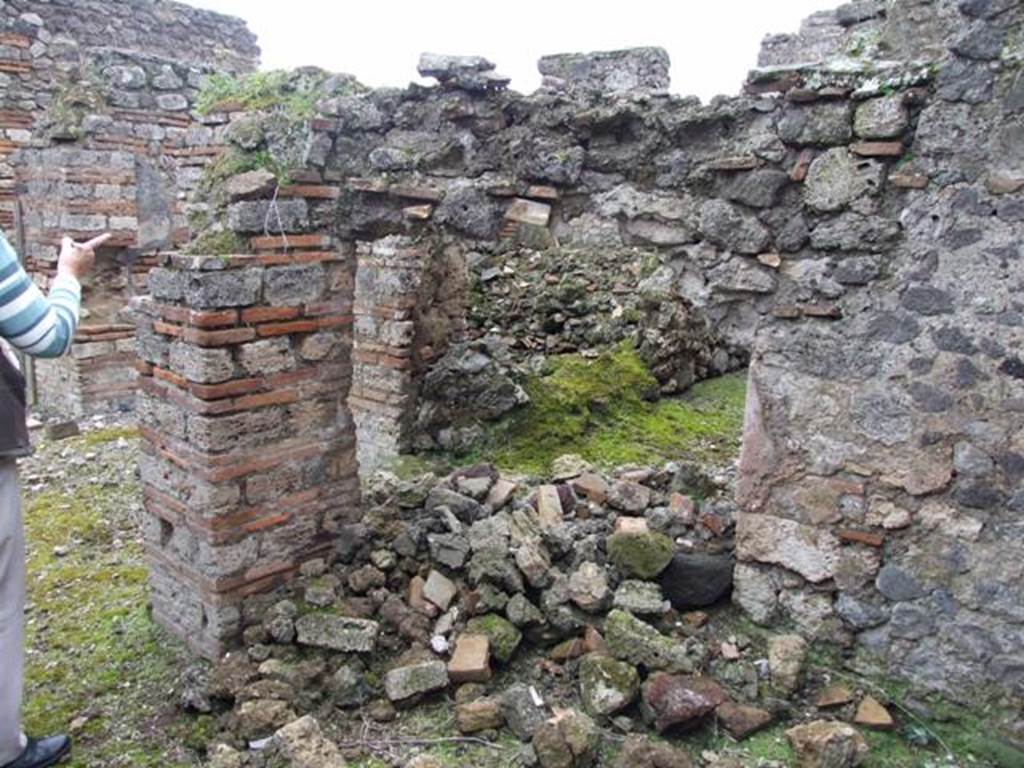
712 44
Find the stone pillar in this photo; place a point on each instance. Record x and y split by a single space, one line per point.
388 280
249 466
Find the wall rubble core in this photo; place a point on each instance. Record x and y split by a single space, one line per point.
851 224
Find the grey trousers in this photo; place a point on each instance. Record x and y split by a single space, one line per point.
12 613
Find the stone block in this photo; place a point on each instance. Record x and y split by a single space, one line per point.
337 633
471 661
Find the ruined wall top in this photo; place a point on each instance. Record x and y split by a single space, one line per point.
154 27
900 30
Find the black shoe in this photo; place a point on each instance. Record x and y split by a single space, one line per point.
41 753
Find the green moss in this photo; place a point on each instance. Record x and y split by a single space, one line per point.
502 634
108 435
605 410
232 164
95 658
643 555
215 243
295 93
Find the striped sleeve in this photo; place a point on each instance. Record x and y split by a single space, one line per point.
37 325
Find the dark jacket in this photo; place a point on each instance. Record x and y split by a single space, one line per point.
14 440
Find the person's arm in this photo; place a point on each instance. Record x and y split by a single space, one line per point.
43 326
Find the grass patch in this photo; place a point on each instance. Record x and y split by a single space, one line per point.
295 93
606 411
108 435
95 662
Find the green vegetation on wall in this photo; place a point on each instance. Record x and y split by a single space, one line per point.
293 92
607 411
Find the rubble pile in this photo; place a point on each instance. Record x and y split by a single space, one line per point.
565 615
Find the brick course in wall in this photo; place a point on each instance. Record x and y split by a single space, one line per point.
250 467
98 133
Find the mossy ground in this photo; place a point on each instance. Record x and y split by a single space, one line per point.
606 410
96 663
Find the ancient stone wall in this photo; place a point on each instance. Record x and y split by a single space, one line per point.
852 225
882 467
98 132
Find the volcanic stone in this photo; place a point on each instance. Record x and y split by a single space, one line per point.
568 740
629 497
503 636
522 713
588 588
637 642
641 598
405 682
642 555
607 685
827 744
337 633
741 720
786 655
681 702
696 580
440 590
479 715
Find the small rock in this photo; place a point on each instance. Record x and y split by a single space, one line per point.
384 559
786 655
567 649
502 635
471 662
533 560
642 752
568 467
363 579
592 487
629 497
479 715
347 687
381 711
448 549
549 506
405 682
304 745
696 580
741 720
251 184
827 744
337 633
521 612
523 714
641 598
501 493
607 685
872 714
681 702
637 642
568 740
440 590
588 588
259 718
62 430
834 695
642 555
